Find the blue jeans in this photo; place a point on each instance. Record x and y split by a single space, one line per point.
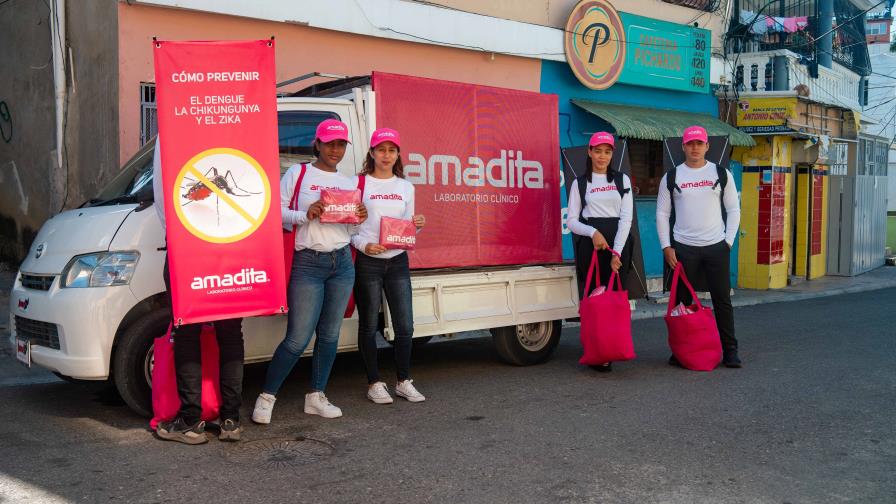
373 276
319 287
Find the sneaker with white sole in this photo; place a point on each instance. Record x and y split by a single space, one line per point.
179 430
264 407
316 403
378 393
407 390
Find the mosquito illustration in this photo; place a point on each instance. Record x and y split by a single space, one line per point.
198 190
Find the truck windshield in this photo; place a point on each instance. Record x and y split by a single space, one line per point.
133 184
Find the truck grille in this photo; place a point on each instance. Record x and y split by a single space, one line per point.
38 333
37 282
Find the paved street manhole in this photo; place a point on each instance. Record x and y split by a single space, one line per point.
280 453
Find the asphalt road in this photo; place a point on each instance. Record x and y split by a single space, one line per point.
809 419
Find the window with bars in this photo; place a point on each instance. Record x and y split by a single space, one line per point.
148 116
881 153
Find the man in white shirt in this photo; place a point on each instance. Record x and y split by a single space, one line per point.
702 238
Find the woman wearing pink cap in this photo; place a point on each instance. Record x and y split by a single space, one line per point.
604 219
377 269
322 274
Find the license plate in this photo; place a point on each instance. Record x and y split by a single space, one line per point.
23 351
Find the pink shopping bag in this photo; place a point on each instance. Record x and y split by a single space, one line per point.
165 401
693 334
606 322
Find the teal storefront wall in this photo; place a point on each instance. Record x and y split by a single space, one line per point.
575 124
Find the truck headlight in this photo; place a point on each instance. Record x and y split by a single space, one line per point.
101 269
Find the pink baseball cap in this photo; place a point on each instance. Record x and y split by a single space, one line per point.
602 137
692 133
385 135
330 130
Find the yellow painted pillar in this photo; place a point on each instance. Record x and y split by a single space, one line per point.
765 213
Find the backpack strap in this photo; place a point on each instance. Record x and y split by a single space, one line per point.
722 175
620 184
362 182
670 181
582 182
672 186
294 201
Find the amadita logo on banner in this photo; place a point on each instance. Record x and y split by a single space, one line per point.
247 276
508 170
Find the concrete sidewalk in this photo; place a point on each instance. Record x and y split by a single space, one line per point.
880 278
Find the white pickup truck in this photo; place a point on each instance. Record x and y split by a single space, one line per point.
89 298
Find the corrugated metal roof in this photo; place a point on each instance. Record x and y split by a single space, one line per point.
658 124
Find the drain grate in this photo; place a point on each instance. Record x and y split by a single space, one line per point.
280 453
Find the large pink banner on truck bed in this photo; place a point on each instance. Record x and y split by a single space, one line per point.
485 165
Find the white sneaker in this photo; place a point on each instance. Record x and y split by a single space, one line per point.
407 390
264 406
316 403
379 394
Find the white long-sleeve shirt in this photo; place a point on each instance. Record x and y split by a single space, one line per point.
391 197
602 199
698 214
312 234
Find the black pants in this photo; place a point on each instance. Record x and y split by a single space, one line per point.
584 247
372 277
188 366
713 263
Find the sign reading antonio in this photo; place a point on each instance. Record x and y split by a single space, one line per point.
604 47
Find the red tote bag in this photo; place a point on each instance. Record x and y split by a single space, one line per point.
165 401
606 322
693 336
289 237
350 308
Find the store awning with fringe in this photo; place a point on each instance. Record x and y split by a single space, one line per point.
658 124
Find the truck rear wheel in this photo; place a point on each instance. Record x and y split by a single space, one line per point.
133 360
527 344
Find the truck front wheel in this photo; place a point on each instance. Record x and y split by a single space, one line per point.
133 360
527 344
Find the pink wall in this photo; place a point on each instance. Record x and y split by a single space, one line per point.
299 50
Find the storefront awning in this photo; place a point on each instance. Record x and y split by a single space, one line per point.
658 124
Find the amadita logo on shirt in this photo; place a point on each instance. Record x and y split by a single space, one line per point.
603 189
315 187
697 185
396 197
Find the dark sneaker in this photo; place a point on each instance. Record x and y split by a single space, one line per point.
674 362
230 430
730 359
603 368
179 431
